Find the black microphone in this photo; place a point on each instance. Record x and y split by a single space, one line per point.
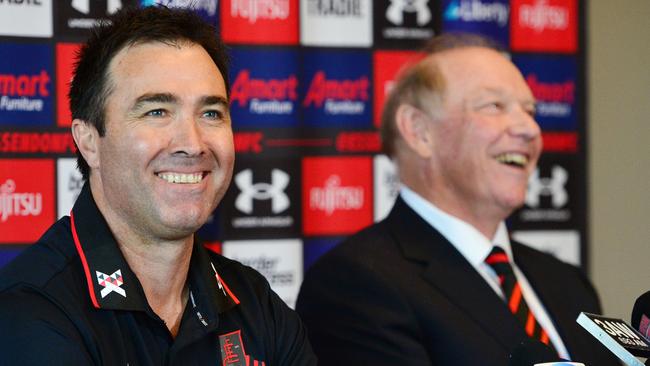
640 314
530 352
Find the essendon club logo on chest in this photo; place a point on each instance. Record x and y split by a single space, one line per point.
233 352
26 204
337 196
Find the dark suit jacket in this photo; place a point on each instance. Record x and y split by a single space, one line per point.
398 293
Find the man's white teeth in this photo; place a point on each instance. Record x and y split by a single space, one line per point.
181 178
513 159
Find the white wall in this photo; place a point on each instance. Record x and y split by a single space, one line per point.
618 61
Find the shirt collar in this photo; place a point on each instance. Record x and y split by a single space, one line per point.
470 242
111 282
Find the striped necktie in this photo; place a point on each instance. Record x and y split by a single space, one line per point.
498 260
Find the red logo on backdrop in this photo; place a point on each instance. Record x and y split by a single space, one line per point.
246 88
552 92
337 195
387 65
560 142
26 203
65 56
321 89
544 25
260 21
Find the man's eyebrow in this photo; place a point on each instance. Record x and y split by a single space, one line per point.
154 98
213 99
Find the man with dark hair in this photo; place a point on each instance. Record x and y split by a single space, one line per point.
438 282
122 281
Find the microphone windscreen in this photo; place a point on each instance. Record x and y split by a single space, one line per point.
641 314
530 352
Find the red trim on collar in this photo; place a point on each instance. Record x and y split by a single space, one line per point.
232 296
77 244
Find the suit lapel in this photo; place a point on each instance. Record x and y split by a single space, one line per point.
451 274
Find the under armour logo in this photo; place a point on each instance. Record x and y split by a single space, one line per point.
262 191
83 6
397 8
111 283
551 186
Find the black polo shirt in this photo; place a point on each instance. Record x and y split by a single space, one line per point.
71 299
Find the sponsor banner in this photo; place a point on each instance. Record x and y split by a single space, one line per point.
260 21
27 143
337 90
486 17
264 94
560 142
337 195
554 199
552 79
386 184
65 58
68 185
26 204
387 65
26 18
75 17
358 141
315 248
280 261
7 255
26 84
206 9
341 23
544 25
404 23
563 244
263 200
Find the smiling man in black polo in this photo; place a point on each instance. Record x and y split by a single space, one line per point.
121 281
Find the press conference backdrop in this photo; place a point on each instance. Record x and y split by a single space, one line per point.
308 81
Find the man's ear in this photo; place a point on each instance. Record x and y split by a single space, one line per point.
86 137
415 129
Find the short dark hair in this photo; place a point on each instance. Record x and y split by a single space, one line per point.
90 86
424 80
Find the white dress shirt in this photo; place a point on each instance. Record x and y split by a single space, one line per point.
475 247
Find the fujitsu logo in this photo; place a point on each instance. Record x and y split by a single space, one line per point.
273 96
477 11
556 92
551 186
259 9
332 196
18 204
339 96
397 8
541 16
